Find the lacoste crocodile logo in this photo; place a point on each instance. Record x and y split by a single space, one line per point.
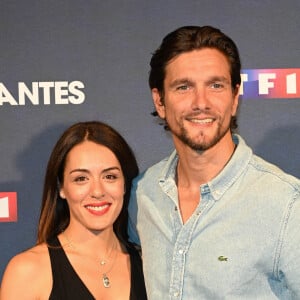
222 258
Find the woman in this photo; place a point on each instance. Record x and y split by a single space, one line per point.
82 249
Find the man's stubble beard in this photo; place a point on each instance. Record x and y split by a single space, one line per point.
203 145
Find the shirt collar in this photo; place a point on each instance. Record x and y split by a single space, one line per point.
218 185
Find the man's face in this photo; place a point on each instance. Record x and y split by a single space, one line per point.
198 98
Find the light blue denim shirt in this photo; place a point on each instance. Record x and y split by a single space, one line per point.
241 242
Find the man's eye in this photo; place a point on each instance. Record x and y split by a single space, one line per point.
217 85
183 87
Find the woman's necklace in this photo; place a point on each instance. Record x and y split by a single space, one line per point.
103 262
105 278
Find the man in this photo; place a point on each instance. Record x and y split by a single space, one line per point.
214 220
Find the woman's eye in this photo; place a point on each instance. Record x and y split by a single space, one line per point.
80 179
110 177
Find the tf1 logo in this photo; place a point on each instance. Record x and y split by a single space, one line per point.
8 207
270 83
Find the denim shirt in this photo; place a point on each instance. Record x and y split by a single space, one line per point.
241 242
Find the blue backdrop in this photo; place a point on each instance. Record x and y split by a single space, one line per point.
68 61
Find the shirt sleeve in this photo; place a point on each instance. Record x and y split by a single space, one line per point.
132 215
289 261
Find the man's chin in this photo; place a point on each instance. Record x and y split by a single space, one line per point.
203 144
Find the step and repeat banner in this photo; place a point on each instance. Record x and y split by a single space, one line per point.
67 61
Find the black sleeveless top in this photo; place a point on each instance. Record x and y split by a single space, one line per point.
68 286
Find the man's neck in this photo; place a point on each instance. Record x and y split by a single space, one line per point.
195 168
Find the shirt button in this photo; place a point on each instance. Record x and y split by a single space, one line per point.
180 251
176 294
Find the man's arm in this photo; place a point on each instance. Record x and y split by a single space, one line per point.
289 261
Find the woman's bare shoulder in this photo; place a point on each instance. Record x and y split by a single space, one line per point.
27 270
30 260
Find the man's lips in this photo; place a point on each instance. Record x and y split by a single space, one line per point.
201 118
201 121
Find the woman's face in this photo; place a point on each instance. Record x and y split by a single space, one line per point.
93 186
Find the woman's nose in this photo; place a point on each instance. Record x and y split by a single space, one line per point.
97 190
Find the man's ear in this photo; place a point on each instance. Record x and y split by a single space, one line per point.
158 103
235 100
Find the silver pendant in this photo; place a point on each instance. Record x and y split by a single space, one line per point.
105 281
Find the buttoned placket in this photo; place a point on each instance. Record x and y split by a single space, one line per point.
183 241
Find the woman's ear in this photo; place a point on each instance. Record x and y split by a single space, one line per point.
62 194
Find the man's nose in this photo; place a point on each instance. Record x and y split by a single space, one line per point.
200 99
